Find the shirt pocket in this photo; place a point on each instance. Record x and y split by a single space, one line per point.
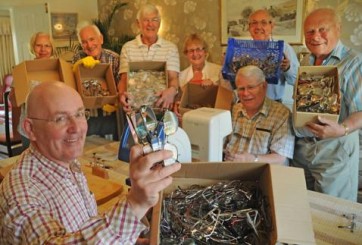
262 139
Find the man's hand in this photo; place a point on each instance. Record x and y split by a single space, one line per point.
123 99
167 97
325 128
243 157
285 65
148 179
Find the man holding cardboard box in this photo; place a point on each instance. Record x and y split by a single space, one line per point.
328 150
101 123
148 46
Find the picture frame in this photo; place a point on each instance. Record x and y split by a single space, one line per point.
64 25
288 19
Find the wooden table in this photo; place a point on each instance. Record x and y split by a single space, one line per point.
327 211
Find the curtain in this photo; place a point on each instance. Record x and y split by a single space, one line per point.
7 60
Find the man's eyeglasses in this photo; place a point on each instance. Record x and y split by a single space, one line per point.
250 88
64 119
195 50
153 20
263 23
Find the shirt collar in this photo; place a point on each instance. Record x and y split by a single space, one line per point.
263 110
337 53
54 167
140 43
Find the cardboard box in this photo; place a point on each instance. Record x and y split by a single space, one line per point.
301 118
102 73
210 96
145 79
29 72
284 188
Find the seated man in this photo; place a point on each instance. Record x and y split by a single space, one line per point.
261 127
45 199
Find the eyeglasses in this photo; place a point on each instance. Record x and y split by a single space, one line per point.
153 20
321 31
263 23
43 46
250 88
63 119
196 50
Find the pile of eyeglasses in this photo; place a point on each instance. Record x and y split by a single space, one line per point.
94 87
152 129
233 212
315 93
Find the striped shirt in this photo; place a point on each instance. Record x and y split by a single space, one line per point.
44 202
162 50
107 56
267 131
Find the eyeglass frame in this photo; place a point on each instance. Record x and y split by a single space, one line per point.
63 119
263 23
195 50
152 20
249 88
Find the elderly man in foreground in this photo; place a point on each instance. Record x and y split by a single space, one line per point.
45 198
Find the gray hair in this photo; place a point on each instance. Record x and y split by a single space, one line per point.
82 25
264 11
330 11
251 71
147 9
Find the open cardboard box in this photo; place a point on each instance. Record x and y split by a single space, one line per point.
284 188
143 92
41 70
100 72
301 118
210 96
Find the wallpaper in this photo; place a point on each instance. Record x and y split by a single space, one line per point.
182 17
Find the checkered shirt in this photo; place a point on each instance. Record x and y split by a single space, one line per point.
267 131
40 202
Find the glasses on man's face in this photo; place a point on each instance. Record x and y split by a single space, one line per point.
263 23
64 119
250 88
195 50
155 20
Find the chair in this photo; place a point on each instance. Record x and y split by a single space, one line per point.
12 138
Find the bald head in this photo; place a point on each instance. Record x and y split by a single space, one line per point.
47 93
56 123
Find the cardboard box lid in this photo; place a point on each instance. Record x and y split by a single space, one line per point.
210 96
147 65
293 222
41 70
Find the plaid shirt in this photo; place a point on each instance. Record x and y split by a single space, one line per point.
267 131
41 202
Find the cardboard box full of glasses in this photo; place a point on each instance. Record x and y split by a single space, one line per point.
282 187
316 93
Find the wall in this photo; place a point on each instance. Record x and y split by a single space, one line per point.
181 17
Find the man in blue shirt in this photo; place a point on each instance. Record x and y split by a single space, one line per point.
261 25
329 151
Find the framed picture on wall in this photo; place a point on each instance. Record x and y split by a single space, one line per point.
64 25
288 16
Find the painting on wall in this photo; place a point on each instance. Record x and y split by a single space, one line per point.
288 16
64 25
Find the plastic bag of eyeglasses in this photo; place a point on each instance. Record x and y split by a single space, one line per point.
267 55
143 85
225 213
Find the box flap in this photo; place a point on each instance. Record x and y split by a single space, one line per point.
292 212
224 98
41 70
147 65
